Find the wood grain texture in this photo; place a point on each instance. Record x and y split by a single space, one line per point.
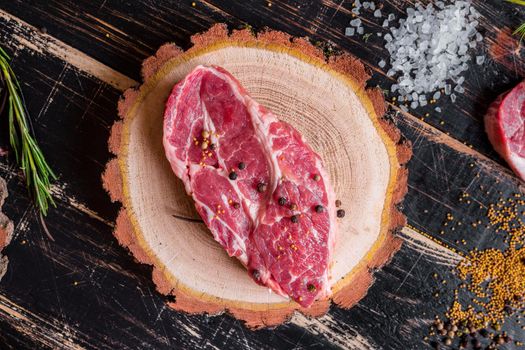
73 112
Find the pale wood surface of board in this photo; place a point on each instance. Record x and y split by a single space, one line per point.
85 291
158 222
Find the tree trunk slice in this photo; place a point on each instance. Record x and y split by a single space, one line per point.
327 102
6 229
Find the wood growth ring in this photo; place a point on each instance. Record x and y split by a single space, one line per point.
327 101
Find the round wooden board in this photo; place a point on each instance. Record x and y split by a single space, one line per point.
327 102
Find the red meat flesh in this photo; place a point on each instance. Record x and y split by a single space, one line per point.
285 246
504 123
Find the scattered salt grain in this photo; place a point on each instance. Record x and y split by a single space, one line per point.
349 31
430 49
377 13
480 60
360 30
382 64
355 22
453 98
438 109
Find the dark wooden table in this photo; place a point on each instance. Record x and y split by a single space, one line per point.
83 290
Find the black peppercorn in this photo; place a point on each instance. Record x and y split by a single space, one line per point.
233 175
212 146
499 340
236 205
294 219
337 203
282 201
476 343
317 177
241 166
341 213
261 187
319 208
256 274
311 288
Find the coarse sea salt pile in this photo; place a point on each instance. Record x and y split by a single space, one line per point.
430 50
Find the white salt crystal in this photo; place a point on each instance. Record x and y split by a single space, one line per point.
372 6
355 22
391 17
377 13
360 30
414 105
382 64
349 31
453 98
385 24
436 95
480 60
356 11
479 37
366 5
438 109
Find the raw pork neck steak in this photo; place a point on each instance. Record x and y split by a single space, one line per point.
258 186
505 126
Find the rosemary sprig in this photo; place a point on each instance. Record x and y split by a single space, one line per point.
28 155
521 29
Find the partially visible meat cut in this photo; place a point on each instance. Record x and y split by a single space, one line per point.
504 123
260 189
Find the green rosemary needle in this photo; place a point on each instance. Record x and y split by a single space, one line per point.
28 155
521 29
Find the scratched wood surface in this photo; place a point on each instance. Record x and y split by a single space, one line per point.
83 290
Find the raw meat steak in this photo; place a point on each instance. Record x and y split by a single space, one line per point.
260 189
504 123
